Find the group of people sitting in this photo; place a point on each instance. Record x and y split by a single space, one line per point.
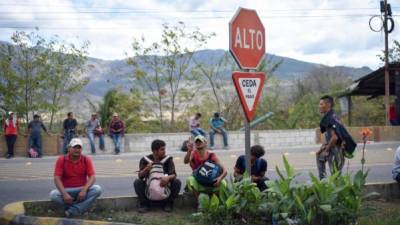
157 182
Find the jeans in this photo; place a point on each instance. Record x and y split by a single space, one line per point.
35 141
335 160
140 188
117 142
198 131
224 136
91 137
68 135
10 139
77 207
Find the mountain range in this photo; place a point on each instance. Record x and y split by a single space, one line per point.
106 74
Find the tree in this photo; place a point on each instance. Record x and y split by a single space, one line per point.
64 67
162 69
128 105
22 80
393 54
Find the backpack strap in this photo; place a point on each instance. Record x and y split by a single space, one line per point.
165 159
147 159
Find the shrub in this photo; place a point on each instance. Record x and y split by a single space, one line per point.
336 200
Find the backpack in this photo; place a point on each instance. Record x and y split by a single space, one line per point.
153 189
32 153
207 172
346 141
347 144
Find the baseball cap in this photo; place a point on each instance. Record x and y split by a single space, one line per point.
75 141
200 138
11 112
115 114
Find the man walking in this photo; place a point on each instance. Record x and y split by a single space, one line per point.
69 130
330 150
35 139
74 177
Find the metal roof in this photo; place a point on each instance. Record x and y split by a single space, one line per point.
373 84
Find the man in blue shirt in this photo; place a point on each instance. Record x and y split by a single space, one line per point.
217 126
258 167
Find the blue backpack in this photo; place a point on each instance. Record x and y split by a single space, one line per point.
207 172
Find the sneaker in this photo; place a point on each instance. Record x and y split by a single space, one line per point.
68 214
143 209
167 207
226 147
9 156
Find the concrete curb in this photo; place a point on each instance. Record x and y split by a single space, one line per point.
14 213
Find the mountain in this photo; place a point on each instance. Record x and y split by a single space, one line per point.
106 74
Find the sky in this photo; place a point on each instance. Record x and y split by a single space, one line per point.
330 32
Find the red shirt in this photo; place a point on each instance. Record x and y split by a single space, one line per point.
73 174
392 112
197 161
9 127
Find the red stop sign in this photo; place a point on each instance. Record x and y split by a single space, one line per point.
247 38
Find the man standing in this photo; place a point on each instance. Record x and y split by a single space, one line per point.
74 177
93 128
35 139
69 130
117 129
217 126
396 166
167 179
330 150
197 157
194 125
10 128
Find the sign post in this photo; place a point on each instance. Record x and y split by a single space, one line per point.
247 46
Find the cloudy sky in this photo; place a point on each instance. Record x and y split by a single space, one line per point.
332 32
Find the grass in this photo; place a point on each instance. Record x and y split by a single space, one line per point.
155 217
383 213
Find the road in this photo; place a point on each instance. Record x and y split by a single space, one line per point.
24 179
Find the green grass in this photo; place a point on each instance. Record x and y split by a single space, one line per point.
385 213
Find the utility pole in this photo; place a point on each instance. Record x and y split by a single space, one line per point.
387 91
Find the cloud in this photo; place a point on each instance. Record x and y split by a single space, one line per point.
322 31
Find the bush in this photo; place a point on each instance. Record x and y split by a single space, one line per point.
333 201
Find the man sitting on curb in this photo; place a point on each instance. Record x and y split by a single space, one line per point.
396 166
197 158
74 176
157 180
258 167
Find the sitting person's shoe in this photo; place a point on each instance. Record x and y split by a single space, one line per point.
168 207
9 156
143 209
68 214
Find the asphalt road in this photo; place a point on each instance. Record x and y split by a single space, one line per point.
23 179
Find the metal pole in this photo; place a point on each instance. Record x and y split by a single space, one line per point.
247 145
387 93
